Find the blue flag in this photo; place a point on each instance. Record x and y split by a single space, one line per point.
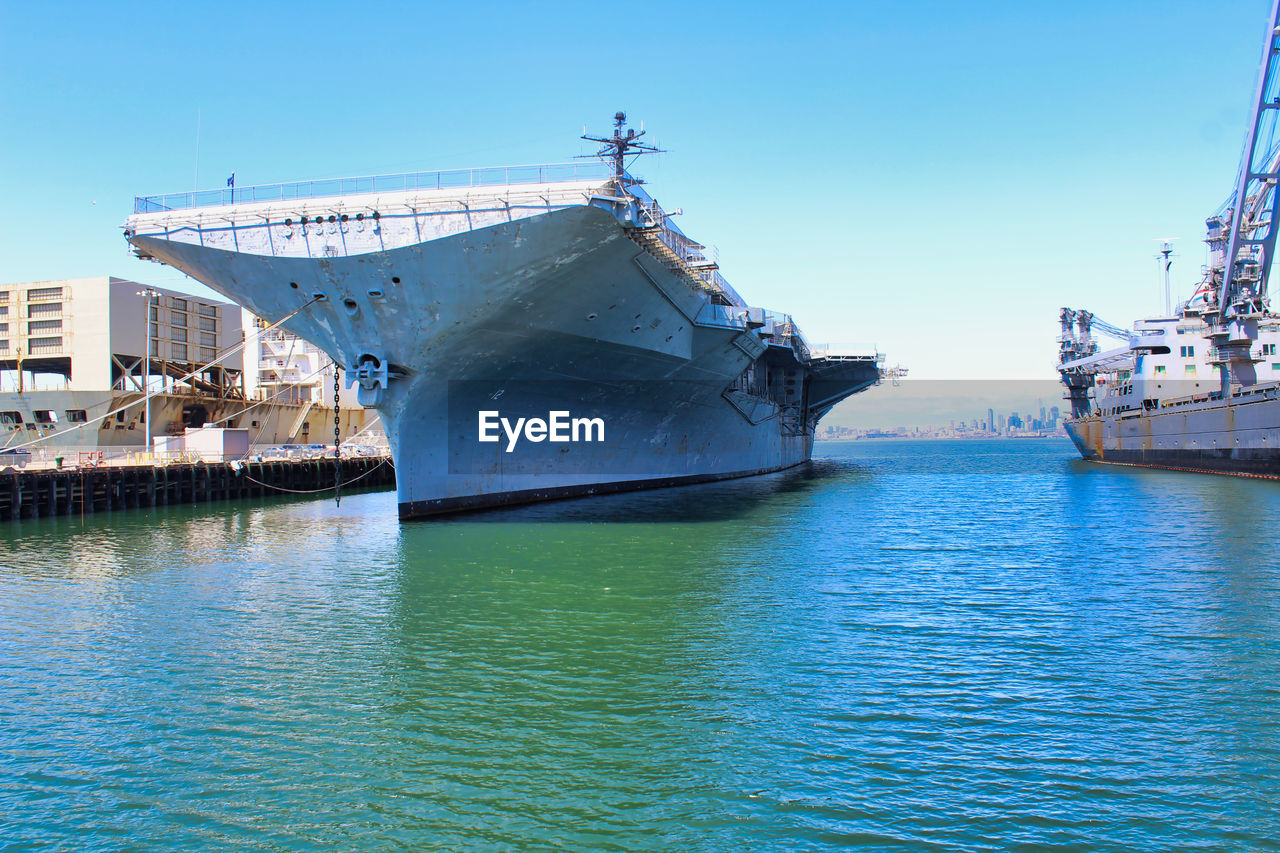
231 181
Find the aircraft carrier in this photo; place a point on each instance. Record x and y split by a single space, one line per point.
560 300
1198 387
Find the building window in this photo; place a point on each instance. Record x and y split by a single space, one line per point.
1188 352
208 310
208 325
76 416
37 327
155 348
1190 368
208 339
155 313
43 345
1159 368
4 296
4 310
4 328
176 319
1268 349
45 293
180 335
180 352
44 309
180 304
207 355
4 344
155 330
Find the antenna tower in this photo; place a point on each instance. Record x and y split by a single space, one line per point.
619 146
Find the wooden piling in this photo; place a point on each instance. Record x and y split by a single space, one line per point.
40 493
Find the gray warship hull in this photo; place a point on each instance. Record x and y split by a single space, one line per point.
522 307
1207 435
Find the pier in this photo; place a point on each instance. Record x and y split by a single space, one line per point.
39 493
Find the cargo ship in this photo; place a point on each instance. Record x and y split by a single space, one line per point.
525 333
1197 387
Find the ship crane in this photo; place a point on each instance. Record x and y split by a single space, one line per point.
1250 238
1079 360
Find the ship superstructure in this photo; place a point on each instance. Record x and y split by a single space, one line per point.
527 295
1199 387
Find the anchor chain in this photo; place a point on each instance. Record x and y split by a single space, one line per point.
337 436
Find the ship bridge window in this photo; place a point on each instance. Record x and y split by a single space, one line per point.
45 416
1159 350
1160 368
10 417
76 416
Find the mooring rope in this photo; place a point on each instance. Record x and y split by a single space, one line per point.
319 491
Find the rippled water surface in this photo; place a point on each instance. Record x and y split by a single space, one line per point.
906 646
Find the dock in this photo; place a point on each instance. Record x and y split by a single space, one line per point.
45 492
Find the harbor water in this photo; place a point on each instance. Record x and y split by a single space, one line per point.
944 645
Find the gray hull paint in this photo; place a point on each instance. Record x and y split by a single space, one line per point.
1205 435
560 311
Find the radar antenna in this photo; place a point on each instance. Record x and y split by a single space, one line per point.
619 146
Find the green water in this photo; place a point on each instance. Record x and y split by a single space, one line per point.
908 646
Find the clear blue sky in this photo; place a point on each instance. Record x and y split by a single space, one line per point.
935 178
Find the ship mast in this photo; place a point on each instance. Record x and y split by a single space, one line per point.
1242 297
619 146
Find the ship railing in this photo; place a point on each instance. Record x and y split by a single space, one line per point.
845 351
784 326
688 250
545 173
722 316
